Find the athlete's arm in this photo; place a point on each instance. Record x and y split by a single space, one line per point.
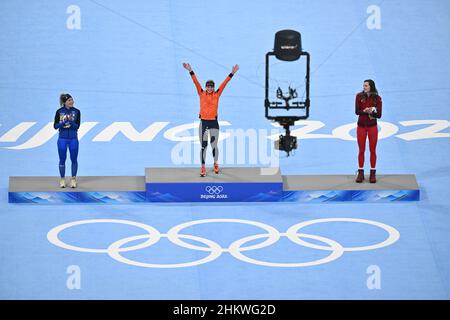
227 79
56 123
76 124
359 112
377 113
188 67
78 119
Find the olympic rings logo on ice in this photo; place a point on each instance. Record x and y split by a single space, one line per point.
237 249
214 189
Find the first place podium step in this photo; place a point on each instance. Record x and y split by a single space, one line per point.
239 184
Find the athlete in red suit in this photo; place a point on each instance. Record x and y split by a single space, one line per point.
368 107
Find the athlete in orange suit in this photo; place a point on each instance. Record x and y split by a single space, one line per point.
209 105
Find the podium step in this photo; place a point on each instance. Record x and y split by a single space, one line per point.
240 184
101 189
325 188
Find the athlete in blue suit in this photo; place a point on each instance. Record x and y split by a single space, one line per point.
67 121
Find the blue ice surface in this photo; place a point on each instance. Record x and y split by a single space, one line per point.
124 65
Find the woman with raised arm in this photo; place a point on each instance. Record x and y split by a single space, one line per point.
209 105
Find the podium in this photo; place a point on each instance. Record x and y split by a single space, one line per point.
234 184
230 185
102 189
327 188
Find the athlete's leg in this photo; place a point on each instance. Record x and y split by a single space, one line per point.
373 139
62 152
214 139
73 148
361 136
203 137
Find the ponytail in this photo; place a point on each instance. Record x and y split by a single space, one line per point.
61 99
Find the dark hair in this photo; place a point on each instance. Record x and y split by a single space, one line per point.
209 82
373 90
63 98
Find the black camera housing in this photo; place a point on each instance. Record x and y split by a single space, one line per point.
286 143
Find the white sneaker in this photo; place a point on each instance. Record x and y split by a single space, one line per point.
62 183
73 182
